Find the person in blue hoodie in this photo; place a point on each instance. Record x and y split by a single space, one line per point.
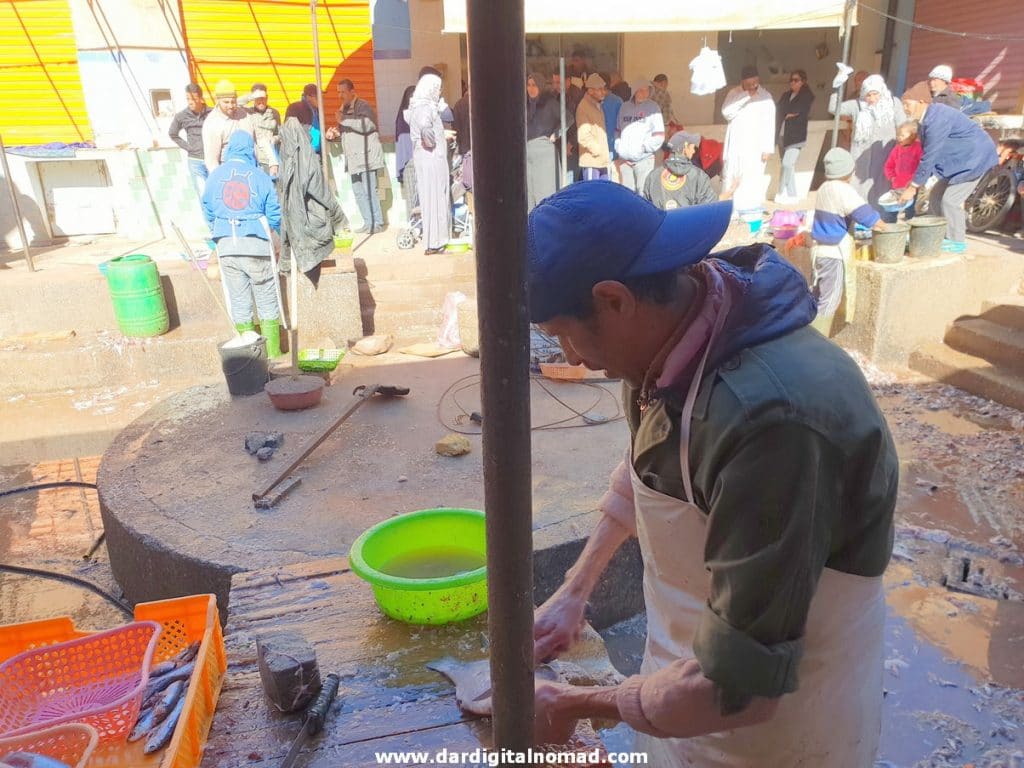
760 481
242 210
958 152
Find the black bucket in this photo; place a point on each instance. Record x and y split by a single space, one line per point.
245 366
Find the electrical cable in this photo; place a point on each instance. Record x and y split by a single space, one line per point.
472 381
45 486
41 573
941 31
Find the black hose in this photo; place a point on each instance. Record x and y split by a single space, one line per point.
83 583
45 486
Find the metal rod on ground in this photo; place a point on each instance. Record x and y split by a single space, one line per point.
495 34
564 175
319 92
851 6
15 207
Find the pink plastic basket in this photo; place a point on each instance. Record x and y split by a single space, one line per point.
71 743
97 680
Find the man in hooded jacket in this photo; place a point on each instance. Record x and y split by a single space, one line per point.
241 208
680 183
761 481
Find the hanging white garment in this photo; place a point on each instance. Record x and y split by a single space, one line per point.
706 73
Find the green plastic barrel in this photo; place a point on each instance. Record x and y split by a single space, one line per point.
138 296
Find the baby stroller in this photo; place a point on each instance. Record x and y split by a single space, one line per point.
461 217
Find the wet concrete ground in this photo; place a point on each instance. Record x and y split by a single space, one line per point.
955 658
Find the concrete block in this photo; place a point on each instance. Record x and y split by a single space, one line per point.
330 310
993 342
903 306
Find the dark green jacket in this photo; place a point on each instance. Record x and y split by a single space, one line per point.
793 464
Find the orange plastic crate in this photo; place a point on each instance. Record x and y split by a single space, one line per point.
71 743
184 620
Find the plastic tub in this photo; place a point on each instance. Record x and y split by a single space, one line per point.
97 680
439 600
243 360
185 620
71 743
320 360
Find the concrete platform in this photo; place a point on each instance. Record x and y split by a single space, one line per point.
175 487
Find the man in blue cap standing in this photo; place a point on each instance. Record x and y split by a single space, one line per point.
760 481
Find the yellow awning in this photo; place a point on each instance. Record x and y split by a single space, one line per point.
586 16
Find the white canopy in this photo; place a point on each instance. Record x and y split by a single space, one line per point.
557 16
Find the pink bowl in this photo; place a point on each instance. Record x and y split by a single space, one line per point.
97 680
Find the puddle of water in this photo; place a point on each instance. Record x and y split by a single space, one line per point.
950 423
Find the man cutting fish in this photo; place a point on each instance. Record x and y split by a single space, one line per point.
760 480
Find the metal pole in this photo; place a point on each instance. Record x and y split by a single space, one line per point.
564 175
498 114
851 6
319 95
15 208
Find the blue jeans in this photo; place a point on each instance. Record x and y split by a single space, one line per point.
246 277
790 154
199 173
364 188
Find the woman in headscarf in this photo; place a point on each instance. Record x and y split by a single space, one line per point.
542 126
876 115
403 143
430 161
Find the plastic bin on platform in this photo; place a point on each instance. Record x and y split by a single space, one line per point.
138 296
71 743
184 620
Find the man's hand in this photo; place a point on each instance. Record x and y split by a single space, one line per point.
557 625
879 226
552 724
1020 188
791 115
908 194
332 133
765 156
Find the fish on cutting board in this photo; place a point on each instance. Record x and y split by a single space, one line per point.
473 681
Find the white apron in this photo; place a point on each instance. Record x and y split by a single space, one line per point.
834 718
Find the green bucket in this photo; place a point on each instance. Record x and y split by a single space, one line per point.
436 600
138 296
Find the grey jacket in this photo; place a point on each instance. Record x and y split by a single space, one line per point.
360 139
311 214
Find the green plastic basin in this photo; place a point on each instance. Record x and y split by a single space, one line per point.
439 600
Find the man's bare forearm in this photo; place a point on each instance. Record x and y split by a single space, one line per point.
677 701
602 545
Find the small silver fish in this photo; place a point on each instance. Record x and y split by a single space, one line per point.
163 668
146 722
181 673
187 654
161 736
169 700
31 760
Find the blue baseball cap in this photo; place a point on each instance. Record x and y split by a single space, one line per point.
600 230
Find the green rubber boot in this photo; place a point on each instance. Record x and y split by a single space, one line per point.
271 331
243 327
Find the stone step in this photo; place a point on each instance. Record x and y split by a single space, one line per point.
102 359
76 298
990 341
972 374
430 267
1005 310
